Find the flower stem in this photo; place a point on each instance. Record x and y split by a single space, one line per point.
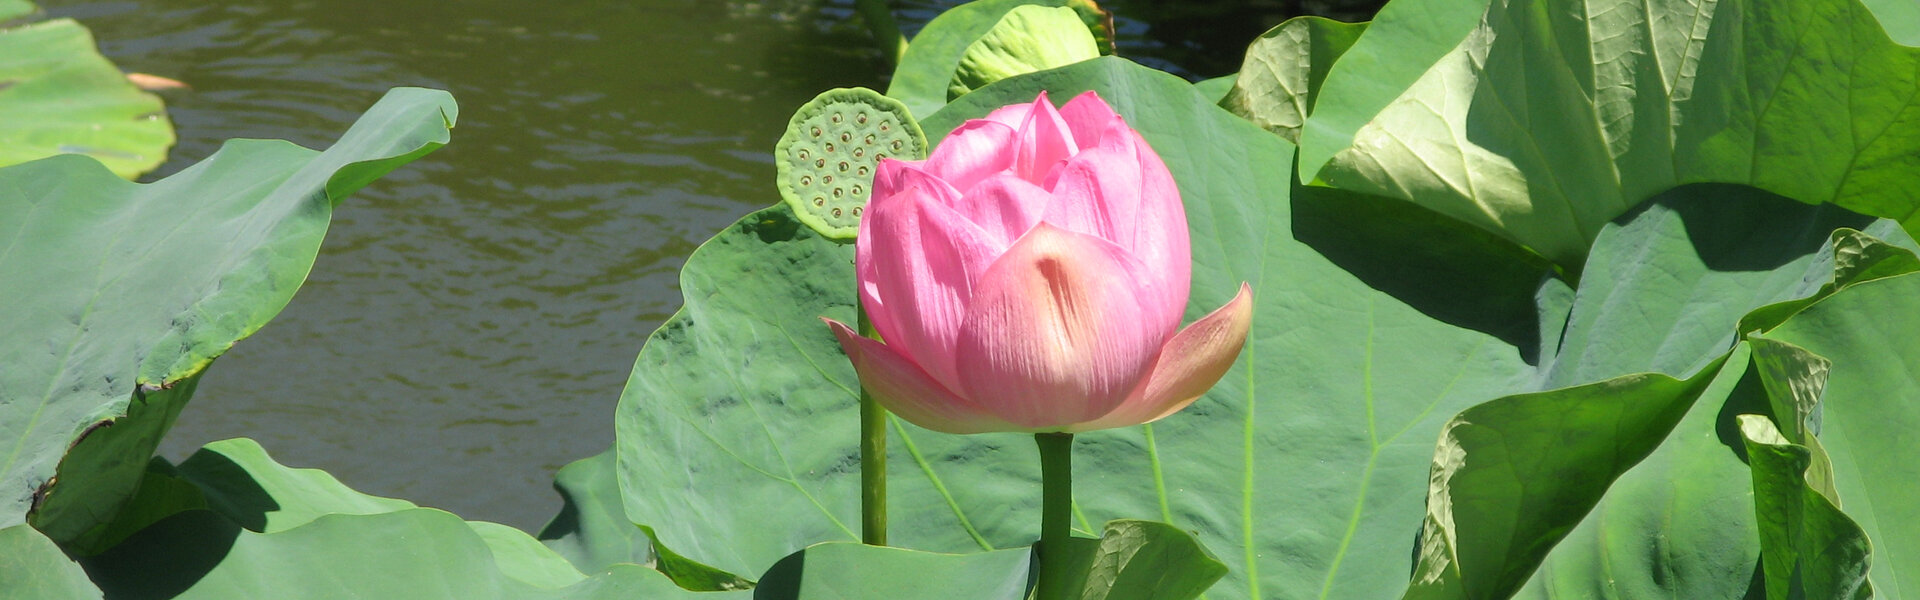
1056 511
873 456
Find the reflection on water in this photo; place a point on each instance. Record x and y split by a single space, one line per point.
473 316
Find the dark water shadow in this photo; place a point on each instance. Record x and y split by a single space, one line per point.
1444 268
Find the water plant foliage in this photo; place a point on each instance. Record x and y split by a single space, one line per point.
58 95
1553 299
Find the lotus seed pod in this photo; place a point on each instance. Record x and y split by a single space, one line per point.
826 159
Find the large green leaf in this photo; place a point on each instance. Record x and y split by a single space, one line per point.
1328 421
1675 279
1400 44
1331 412
1132 560
926 69
33 567
1901 19
1665 290
1812 550
231 522
592 529
1512 476
852 571
1550 118
118 293
1307 466
1868 415
1142 560
1667 284
1677 523
1028 38
240 482
14 9
59 96
1283 71
411 553
717 393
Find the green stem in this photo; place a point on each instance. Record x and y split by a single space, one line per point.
1056 511
873 456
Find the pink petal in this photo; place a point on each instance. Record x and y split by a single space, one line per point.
890 179
1160 236
904 388
1192 361
1098 194
1087 116
1004 206
918 262
1121 192
974 151
894 176
1044 141
1013 115
1054 335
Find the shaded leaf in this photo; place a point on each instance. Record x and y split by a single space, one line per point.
1136 560
690 574
244 524
1794 379
592 530
411 553
1810 548
1148 560
1664 290
1857 257
1544 125
1868 416
109 456
1283 71
846 570
242 483
1511 477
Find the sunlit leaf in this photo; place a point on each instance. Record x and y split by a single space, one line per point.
118 294
58 95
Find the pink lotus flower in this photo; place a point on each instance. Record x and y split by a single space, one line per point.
1030 276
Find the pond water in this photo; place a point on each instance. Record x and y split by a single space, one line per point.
473 316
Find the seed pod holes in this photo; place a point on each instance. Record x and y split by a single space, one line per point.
830 195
